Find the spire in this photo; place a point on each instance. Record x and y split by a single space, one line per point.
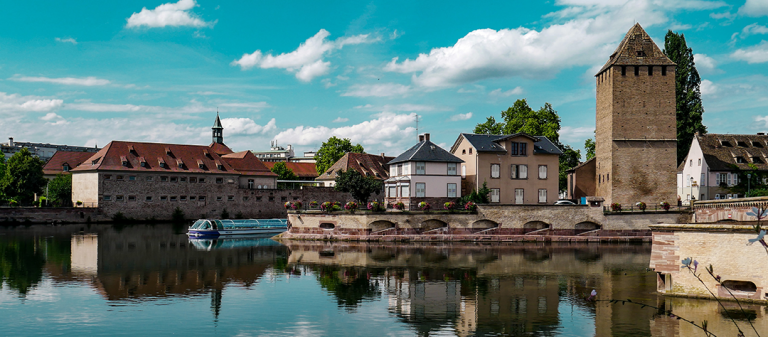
637 49
217 130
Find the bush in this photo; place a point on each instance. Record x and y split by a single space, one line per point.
79 203
327 206
41 201
479 196
296 205
239 215
224 214
616 207
313 204
119 217
178 216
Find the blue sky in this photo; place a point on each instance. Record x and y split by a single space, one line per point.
86 73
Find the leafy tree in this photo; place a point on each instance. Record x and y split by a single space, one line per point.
687 92
23 177
283 172
60 190
360 186
478 196
543 122
332 150
589 146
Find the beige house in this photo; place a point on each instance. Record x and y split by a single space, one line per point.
518 168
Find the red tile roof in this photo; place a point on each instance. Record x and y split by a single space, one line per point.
219 148
173 157
55 165
368 164
303 170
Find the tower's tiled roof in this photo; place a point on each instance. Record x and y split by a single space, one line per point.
370 165
55 165
637 48
217 123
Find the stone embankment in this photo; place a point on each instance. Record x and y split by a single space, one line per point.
35 215
490 223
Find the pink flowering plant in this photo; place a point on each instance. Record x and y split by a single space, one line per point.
287 205
450 206
616 207
351 207
375 206
327 207
313 204
470 206
424 206
296 205
399 205
664 205
641 205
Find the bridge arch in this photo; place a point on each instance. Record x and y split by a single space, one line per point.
428 225
533 226
484 224
380 225
586 226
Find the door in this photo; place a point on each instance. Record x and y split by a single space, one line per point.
519 196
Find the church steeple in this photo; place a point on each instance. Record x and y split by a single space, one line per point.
218 130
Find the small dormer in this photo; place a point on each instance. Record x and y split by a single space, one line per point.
132 150
741 144
207 154
65 167
219 166
95 161
168 151
124 160
161 162
180 163
200 164
143 162
725 143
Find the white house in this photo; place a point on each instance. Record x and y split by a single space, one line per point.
425 172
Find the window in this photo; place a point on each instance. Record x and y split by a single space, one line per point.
691 165
271 198
192 179
463 171
250 184
174 198
452 190
637 70
107 177
132 178
230 181
740 160
495 171
107 198
757 160
219 198
131 198
519 193
464 151
245 198
421 167
650 70
470 150
230 198
219 180
192 198
721 178
519 171
757 144
183 198
183 179
149 178
741 144
699 161
518 149
148 199
163 178
65 168
406 168
174 179
717 196
119 198
495 194
624 71
542 171
663 70
163 198
725 143
452 169
542 196
393 171
421 190
201 180
201 198
405 191
120 178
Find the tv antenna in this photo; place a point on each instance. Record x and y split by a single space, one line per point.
417 125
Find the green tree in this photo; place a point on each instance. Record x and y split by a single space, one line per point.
589 146
23 177
283 172
2 174
543 122
687 92
332 150
60 190
360 186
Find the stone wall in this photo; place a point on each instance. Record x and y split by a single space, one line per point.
709 211
492 222
722 246
11 215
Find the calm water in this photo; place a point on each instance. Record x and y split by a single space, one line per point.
132 280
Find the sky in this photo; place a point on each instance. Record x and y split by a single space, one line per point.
87 73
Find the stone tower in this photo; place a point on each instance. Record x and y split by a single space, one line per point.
636 128
218 130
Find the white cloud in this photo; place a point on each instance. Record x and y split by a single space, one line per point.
193 107
754 8
377 90
388 131
307 60
704 62
724 15
53 119
752 29
340 120
85 81
403 107
169 14
499 93
246 126
67 40
754 54
762 119
569 134
461 117
708 88
589 33
16 102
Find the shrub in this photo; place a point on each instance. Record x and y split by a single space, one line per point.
399 205
224 214
79 203
424 206
616 207
41 201
664 205
119 217
470 206
641 205
239 215
450 205
178 216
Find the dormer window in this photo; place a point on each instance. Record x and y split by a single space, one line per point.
124 160
65 167
741 160
757 144
161 162
200 164
741 144
205 153
640 53
95 161
180 163
725 143
757 160
168 151
143 162
219 166
132 150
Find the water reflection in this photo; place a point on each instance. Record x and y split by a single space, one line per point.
426 289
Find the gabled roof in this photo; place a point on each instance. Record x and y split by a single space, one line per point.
129 156
637 48
55 165
219 148
426 151
490 143
722 150
572 169
370 165
303 170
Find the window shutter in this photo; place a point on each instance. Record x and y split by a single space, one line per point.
523 171
513 170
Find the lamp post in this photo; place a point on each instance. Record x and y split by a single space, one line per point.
690 198
749 177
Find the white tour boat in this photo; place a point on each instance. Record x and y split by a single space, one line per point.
215 228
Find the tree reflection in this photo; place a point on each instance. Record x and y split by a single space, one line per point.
350 286
21 264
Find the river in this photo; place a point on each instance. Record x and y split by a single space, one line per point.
152 280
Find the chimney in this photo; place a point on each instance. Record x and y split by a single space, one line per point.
426 136
10 141
759 134
421 138
382 155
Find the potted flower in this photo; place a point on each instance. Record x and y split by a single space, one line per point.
470 206
450 206
641 205
664 205
424 206
287 205
375 206
327 207
296 206
13 203
79 203
616 207
399 205
313 204
351 207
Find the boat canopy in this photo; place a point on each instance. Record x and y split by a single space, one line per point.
239 224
